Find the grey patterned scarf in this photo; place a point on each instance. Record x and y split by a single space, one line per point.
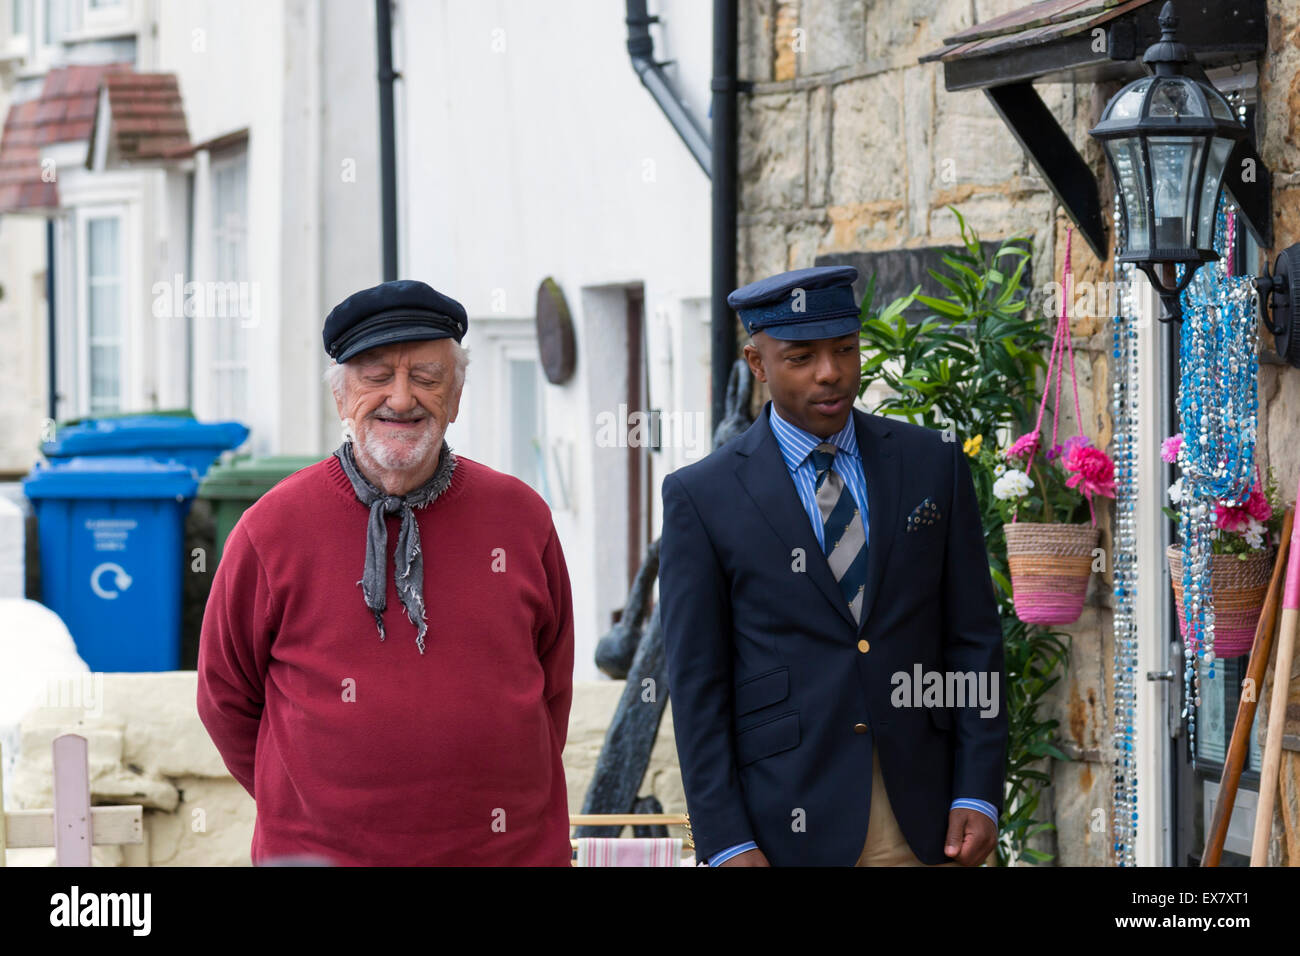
408 563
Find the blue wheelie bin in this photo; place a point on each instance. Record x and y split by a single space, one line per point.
161 437
111 545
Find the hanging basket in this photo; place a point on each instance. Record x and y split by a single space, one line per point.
1239 589
1050 568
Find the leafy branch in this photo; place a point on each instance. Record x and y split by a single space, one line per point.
971 367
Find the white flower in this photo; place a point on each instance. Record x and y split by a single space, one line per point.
1176 491
1254 534
1012 484
999 468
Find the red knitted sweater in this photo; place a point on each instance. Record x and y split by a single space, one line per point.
364 751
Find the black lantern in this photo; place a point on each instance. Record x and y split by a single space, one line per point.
1168 137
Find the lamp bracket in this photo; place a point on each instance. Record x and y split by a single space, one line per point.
1172 310
1279 303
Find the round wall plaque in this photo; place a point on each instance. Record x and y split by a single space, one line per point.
555 333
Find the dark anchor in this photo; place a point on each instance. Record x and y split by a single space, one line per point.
630 652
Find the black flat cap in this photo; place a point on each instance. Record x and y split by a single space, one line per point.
404 310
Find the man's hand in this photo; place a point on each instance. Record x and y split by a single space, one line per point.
748 858
971 837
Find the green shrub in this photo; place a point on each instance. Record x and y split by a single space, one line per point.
970 369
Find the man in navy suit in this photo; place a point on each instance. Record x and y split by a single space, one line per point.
833 641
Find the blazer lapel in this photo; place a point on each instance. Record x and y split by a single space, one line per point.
762 472
881 468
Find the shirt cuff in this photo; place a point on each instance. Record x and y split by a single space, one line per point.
723 856
983 806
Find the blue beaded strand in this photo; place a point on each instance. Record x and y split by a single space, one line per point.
1218 407
1125 403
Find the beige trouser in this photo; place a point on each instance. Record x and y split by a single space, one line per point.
886 845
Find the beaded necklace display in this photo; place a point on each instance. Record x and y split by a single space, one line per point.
1218 408
1124 409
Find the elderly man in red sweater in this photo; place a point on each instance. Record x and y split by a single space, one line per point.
386 661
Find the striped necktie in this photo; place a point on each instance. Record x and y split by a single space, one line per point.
844 538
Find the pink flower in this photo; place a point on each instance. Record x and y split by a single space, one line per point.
1169 448
1094 472
1026 446
1257 505
1228 518
1055 452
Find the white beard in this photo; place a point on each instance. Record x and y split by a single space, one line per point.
397 454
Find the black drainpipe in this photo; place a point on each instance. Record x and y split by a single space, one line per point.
641 47
717 159
387 151
49 313
725 30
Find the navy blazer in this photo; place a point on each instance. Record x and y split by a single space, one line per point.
778 697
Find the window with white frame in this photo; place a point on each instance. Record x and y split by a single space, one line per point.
102 15
230 330
527 426
54 21
104 289
20 26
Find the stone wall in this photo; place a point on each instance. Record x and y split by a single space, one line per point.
848 144
148 747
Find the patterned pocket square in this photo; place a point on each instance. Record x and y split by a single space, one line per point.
926 513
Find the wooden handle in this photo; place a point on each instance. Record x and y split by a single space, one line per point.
1273 742
1246 706
1277 706
627 819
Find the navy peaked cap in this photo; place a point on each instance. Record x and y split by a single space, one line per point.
814 303
404 310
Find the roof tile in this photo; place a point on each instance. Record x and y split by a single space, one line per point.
147 116
64 112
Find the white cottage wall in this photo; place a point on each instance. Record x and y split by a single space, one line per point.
530 149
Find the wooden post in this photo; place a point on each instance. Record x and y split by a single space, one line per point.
1240 742
73 826
72 832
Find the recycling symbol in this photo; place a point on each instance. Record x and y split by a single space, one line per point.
120 579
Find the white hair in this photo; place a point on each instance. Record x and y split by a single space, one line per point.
334 372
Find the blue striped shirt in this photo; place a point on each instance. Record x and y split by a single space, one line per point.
796 446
